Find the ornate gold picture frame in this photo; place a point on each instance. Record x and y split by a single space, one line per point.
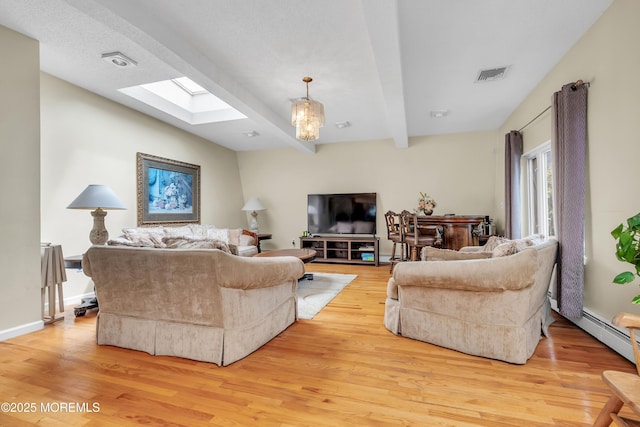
168 191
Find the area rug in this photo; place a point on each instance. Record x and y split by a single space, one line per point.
314 295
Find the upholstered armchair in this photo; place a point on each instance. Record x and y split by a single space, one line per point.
481 304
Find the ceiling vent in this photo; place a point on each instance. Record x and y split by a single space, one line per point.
491 74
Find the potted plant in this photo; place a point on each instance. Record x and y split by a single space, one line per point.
628 250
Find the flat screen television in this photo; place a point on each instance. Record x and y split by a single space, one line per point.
351 213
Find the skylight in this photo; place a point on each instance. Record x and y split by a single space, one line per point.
189 86
184 99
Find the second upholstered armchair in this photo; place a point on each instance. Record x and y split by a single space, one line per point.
493 305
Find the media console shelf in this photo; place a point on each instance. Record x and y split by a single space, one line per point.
343 249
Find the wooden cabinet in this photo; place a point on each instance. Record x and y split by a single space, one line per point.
342 249
458 229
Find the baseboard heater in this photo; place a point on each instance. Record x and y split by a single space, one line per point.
604 331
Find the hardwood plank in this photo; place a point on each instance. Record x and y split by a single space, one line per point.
340 368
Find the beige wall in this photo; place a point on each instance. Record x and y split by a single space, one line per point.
87 139
608 58
457 170
20 172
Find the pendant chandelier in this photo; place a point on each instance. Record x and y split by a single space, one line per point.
307 116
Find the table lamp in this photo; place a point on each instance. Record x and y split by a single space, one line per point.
97 197
254 205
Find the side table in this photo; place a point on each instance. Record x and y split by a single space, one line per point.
261 237
75 262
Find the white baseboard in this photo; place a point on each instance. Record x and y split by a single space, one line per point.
21 330
36 326
604 331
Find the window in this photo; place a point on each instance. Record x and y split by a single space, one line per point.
539 166
184 99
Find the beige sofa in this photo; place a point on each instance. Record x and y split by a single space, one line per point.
234 240
485 303
201 304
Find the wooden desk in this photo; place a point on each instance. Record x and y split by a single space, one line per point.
458 229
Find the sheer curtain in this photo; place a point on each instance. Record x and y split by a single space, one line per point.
513 210
569 147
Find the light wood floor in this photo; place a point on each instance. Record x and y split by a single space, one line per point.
343 368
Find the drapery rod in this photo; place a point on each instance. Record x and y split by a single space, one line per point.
579 83
535 118
574 86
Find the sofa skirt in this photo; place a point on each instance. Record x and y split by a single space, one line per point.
513 344
249 330
244 340
197 342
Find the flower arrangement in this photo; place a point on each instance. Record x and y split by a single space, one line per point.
426 204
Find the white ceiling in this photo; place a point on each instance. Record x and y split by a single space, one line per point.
382 65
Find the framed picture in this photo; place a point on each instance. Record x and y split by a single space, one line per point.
168 191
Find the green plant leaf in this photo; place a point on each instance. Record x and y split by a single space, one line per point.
624 278
630 254
625 239
634 222
616 231
628 250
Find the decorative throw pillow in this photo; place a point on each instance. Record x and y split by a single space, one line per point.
182 231
221 234
141 241
189 243
146 234
199 231
524 243
505 249
122 241
493 242
244 240
536 239
234 236
430 253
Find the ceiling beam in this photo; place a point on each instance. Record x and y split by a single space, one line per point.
381 17
192 63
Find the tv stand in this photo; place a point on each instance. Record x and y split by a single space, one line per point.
344 249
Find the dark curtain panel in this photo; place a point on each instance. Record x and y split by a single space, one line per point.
569 147
513 204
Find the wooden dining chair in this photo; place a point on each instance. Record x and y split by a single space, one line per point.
394 234
625 387
416 236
